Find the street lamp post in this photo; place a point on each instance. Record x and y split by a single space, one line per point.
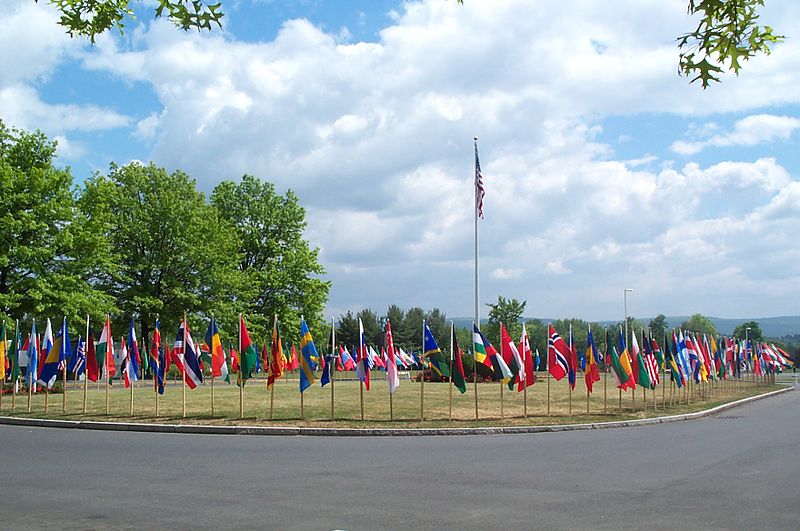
625 302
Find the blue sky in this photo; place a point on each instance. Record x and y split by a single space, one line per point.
603 168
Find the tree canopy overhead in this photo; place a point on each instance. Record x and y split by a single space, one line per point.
49 256
727 33
90 18
143 242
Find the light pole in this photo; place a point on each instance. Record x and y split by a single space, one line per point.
625 302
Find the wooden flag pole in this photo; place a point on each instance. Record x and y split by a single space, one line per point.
333 360
14 360
502 384
131 411
31 378
605 390
63 377
391 406
212 373
450 414
302 412
183 368
155 389
3 369
361 395
272 400
450 387
46 397
422 376
108 385
663 385
548 389
587 399
86 366
570 396
239 379
574 369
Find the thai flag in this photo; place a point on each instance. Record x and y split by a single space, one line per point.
185 357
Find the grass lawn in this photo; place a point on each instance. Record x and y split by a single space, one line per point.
406 403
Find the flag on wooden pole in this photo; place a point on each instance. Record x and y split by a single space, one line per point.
391 364
458 376
276 361
308 352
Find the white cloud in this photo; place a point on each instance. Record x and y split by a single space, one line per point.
376 139
749 131
31 42
20 105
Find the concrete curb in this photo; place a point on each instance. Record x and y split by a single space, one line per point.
367 432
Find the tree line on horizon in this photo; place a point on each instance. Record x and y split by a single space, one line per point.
142 242
145 243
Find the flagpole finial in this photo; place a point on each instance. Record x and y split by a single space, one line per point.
475 138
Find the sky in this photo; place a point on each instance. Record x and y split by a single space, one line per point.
603 169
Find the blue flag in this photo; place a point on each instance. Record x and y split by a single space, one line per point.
308 353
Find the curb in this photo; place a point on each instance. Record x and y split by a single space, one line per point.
367 432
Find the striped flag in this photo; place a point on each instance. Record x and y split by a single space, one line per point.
480 193
391 365
558 354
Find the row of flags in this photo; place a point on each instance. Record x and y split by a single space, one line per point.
687 357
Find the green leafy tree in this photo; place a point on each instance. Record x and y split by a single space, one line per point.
507 312
658 326
537 337
347 330
751 330
395 315
281 271
373 333
169 250
49 257
90 18
440 328
410 333
701 324
727 34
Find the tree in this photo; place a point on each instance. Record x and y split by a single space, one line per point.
281 271
90 18
750 329
727 34
658 326
169 251
410 333
48 258
507 312
347 330
537 337
440 328
701 324
373 333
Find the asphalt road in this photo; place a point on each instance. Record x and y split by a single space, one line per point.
738 470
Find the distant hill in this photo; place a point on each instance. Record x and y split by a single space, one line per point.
775 327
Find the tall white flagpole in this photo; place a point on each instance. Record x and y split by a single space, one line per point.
475 208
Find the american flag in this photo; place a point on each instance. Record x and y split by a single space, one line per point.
479 191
